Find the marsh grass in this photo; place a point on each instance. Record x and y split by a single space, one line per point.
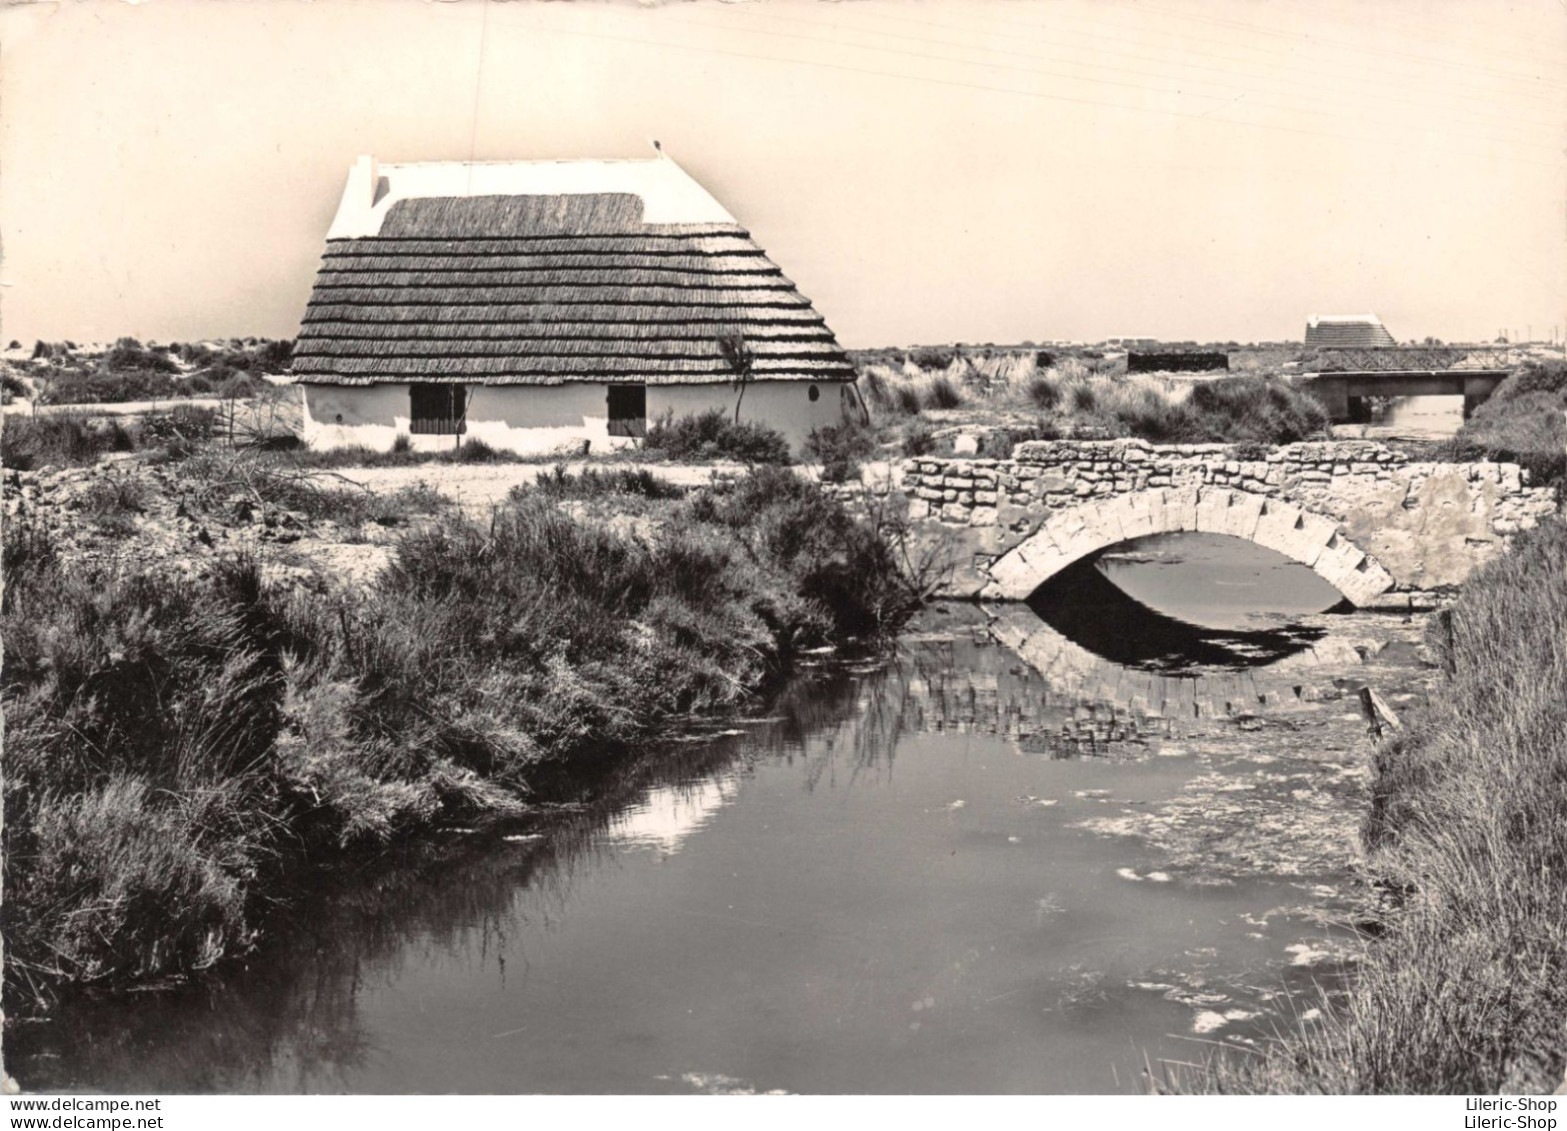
1080 394
172 750
942 393
64 439
1465 986
217 479
1522 423
595 483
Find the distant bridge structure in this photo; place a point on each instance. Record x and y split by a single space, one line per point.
1346 376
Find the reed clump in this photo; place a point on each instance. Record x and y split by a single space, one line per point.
1523 422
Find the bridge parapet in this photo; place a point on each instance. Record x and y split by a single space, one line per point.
1366 517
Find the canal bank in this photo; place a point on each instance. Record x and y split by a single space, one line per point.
184 734
945 870
1465 987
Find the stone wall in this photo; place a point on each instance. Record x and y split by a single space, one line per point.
1383 528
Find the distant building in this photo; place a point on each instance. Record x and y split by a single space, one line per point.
1359 330
538 304
1131 343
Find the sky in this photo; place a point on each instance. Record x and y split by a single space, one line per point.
926 172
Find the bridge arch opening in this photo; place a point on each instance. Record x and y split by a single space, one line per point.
1174 603
1071 535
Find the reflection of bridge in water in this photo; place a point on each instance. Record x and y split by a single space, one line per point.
1058 698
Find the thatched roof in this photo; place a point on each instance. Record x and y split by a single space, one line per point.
1347 330
523 287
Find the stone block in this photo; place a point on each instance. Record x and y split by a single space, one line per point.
1278 526
1245 510
1213 506
1142 514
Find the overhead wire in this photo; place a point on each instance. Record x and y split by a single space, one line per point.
1483 122
537 26
1278 33
1378 86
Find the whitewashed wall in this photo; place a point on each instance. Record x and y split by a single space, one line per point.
540 419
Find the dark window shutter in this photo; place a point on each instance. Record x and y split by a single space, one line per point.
438 410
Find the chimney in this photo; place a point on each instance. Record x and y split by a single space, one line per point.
355 211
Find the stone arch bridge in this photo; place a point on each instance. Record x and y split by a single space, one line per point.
1385 530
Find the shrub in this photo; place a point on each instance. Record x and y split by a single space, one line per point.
1256 409
138 718
170 747
1044 393
714 435
475 450
841 448
942 393
113 499
592 483
60 440
1084 399
403 444
213 475
1535 377
849 571
918 439
907 400
275 356
240 385
194 354
129 354
933 358
185 427
1147 414
1521 423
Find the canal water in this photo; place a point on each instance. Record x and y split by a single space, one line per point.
1040 848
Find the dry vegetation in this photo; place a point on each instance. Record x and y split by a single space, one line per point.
65 373
183 732
1522 422
924 398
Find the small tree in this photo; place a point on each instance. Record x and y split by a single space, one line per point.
741 363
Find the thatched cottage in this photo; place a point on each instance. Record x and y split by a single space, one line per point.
1347 330
539 304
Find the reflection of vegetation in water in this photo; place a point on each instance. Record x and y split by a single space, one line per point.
290 1016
